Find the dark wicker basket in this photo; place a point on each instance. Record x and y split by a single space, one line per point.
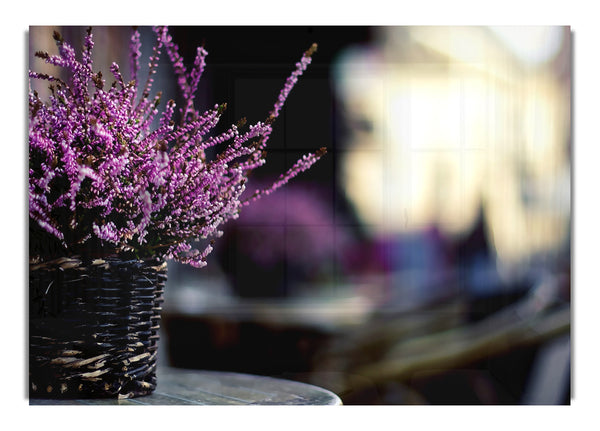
93 327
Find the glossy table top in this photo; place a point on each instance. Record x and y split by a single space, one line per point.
196 387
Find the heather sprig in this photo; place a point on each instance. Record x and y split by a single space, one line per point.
102 178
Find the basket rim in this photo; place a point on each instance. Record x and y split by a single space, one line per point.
76 261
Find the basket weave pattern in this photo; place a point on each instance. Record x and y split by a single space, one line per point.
93 327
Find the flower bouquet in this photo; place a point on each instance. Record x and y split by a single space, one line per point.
116 188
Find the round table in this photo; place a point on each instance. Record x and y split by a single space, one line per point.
178 386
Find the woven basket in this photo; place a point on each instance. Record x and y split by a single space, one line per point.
93 327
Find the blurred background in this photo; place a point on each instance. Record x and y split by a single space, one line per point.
426 258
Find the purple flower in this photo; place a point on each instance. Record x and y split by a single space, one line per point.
101 176
295 225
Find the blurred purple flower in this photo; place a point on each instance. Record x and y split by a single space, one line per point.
296 225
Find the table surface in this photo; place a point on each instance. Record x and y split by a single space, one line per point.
197 387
